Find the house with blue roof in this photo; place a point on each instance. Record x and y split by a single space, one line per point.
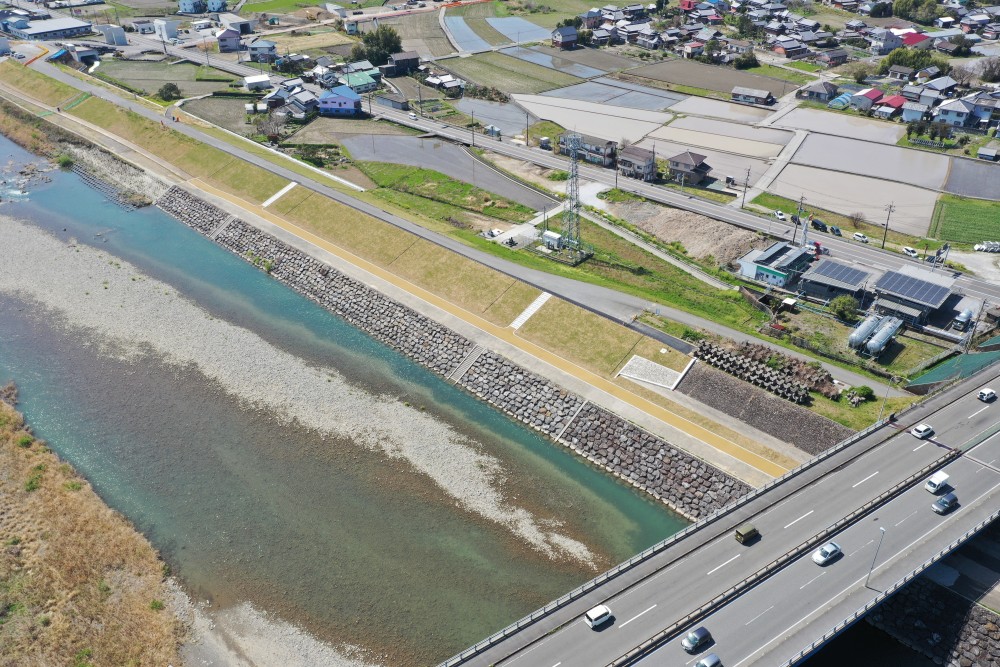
339 101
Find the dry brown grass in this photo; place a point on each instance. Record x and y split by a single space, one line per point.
511 303
77 581
576 334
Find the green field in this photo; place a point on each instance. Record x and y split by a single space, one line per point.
436 186
964 220
508 74
150 76
782 73
804 66
546 13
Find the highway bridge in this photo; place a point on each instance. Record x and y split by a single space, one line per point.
768 603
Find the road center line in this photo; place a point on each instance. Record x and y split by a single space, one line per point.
861 547
723 565
800 518
905 518
759 615
636 616
865 479
921 445
557 664
811 580
977 412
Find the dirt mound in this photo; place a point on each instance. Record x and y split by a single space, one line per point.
701 236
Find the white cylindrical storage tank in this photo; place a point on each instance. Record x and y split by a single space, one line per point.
885 332
863 330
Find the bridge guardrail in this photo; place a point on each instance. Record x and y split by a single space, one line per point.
642 556
889 592
777 564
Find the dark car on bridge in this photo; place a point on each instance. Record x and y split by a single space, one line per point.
945 503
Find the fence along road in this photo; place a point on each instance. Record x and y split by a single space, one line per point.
707 564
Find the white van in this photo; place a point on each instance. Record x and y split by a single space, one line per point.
597 616
937 482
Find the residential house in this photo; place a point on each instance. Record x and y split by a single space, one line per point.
190 6
257 82
601 37
752 96
820 91
927 73
263 51
789 48
855 25
991 31
564 37
635 162
808 24
863 100
649 39
216 5
914 111
591 19
943 84
688 168
739 46
401 64
692 49
944 22
930 97
339 101
359 82
883 41
358 66
946 47
957 113
900 73
917 40
912 93
229 40
779 264
974 22
302 103
631 31
986 107
889 106
592 149
833 57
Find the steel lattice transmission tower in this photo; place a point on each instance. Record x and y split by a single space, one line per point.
571 216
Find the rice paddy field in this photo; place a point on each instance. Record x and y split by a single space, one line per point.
475 17
507 73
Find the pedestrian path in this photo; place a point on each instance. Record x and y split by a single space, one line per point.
279 194
530 310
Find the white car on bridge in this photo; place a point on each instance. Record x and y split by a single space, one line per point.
826 553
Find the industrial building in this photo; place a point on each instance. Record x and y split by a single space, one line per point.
779 264
912 293
828 279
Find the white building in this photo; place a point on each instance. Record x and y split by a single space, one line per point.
257 82
165 29
113 34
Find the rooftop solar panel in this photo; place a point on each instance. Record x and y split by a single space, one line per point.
913 289
840 273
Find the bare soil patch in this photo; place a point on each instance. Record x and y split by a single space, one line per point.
530 172
222 111
699 75
333 130
702 237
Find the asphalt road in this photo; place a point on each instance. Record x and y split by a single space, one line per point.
682 585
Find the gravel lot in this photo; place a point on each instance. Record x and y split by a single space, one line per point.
722 79
847 193
841 125
919 168
599 120
973 178
762 410
618 94
447 158
702 106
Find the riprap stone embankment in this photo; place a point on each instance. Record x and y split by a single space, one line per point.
688 485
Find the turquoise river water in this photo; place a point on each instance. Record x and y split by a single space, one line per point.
354 547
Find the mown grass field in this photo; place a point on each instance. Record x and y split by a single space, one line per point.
507 73
150 76
438 187
965 220
42 88
782 73
804 66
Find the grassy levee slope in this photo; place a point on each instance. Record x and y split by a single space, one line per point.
39 86
78 584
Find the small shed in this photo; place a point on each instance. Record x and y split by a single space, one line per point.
985 153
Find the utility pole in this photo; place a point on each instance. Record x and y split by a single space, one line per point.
682 181
473 128
420 98
527 137
889 209
746 184
798 216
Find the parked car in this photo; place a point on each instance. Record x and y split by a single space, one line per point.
911 252
710 660
986 395
922 431
779 215
597 616
858 236
835 230
696 639
818 225
826 553
945 503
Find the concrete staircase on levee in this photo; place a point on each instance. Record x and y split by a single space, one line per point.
530 310
466 364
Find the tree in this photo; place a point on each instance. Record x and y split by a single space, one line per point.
856 219
989 70
909 130
746 61
859 71
964 47
169 91
963 75
844 307
881 9
864 392
660 4
376 46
